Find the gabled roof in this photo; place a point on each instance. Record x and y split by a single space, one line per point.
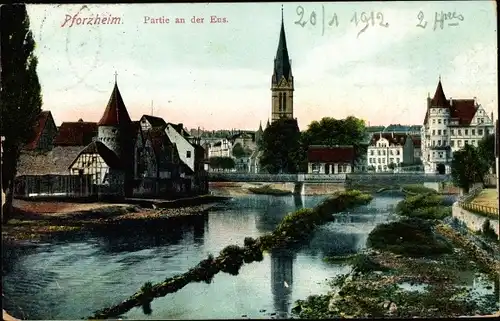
116 113
393 138
463 110
75 133
155 121
54 162
109 157
159 140
39 126
282 67
180 129
330 154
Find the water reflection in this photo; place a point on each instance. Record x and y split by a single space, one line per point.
282 280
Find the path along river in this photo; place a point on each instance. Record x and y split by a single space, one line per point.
71 278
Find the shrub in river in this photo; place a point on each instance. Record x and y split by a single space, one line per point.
249 241
425 206
412 237
147 291
363 263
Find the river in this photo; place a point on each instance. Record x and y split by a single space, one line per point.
71 278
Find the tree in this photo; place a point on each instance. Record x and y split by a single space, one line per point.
391 166
219 162
21 99
330 132
281 152
486 150
238 151
467 167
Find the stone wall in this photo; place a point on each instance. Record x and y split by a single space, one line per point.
322 188
473 221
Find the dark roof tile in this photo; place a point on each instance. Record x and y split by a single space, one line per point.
334 154
75 133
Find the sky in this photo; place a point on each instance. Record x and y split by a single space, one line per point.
218 75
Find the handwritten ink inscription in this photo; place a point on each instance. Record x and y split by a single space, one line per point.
367 18
452 18
313 18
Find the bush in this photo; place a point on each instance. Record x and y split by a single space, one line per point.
488 231
266 190
425 206
413 237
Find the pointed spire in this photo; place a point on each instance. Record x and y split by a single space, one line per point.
282 65
116 76
267 125
260 126
439 99
116 113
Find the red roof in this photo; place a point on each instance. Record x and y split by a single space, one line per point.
439 99
116 113
40 122
394 139
333 154
463 110
75 133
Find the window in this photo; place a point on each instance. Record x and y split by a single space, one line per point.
440 155
444 131
480 132
466 132
439 131
378 152
433 121
391 160
383 160
439 121
466 142
188 154
444 121
284 101
453 132
433 143
459 132
397 152
383 152
433 132
473 132
439 143
371 152
452 143
459 142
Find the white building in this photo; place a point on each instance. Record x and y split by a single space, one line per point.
221 148
390 148
449 125
330 159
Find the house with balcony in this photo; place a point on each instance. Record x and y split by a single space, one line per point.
389 151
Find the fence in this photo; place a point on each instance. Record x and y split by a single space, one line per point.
465 202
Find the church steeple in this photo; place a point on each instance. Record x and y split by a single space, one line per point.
282 67
282 86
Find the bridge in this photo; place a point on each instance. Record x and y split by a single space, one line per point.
408 178
310 184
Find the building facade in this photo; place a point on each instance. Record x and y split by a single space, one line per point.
330 159
449 125
388 151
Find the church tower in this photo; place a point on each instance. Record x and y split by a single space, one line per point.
282 80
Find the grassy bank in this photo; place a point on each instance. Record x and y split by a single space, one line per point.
267 190
294 228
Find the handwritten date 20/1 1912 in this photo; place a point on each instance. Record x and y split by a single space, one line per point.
371 18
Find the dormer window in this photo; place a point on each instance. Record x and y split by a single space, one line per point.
188 154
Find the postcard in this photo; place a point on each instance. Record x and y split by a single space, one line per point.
250 160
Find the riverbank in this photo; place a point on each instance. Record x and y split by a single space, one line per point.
424 265
35 220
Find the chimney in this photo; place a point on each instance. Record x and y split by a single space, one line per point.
475 101
492 119
451 101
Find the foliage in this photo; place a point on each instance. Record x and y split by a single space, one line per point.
281 147
488 231
240 152
486 150
363 263
219 162
412 237
391 166
266 190
467 167
330 132
20 93
425 206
